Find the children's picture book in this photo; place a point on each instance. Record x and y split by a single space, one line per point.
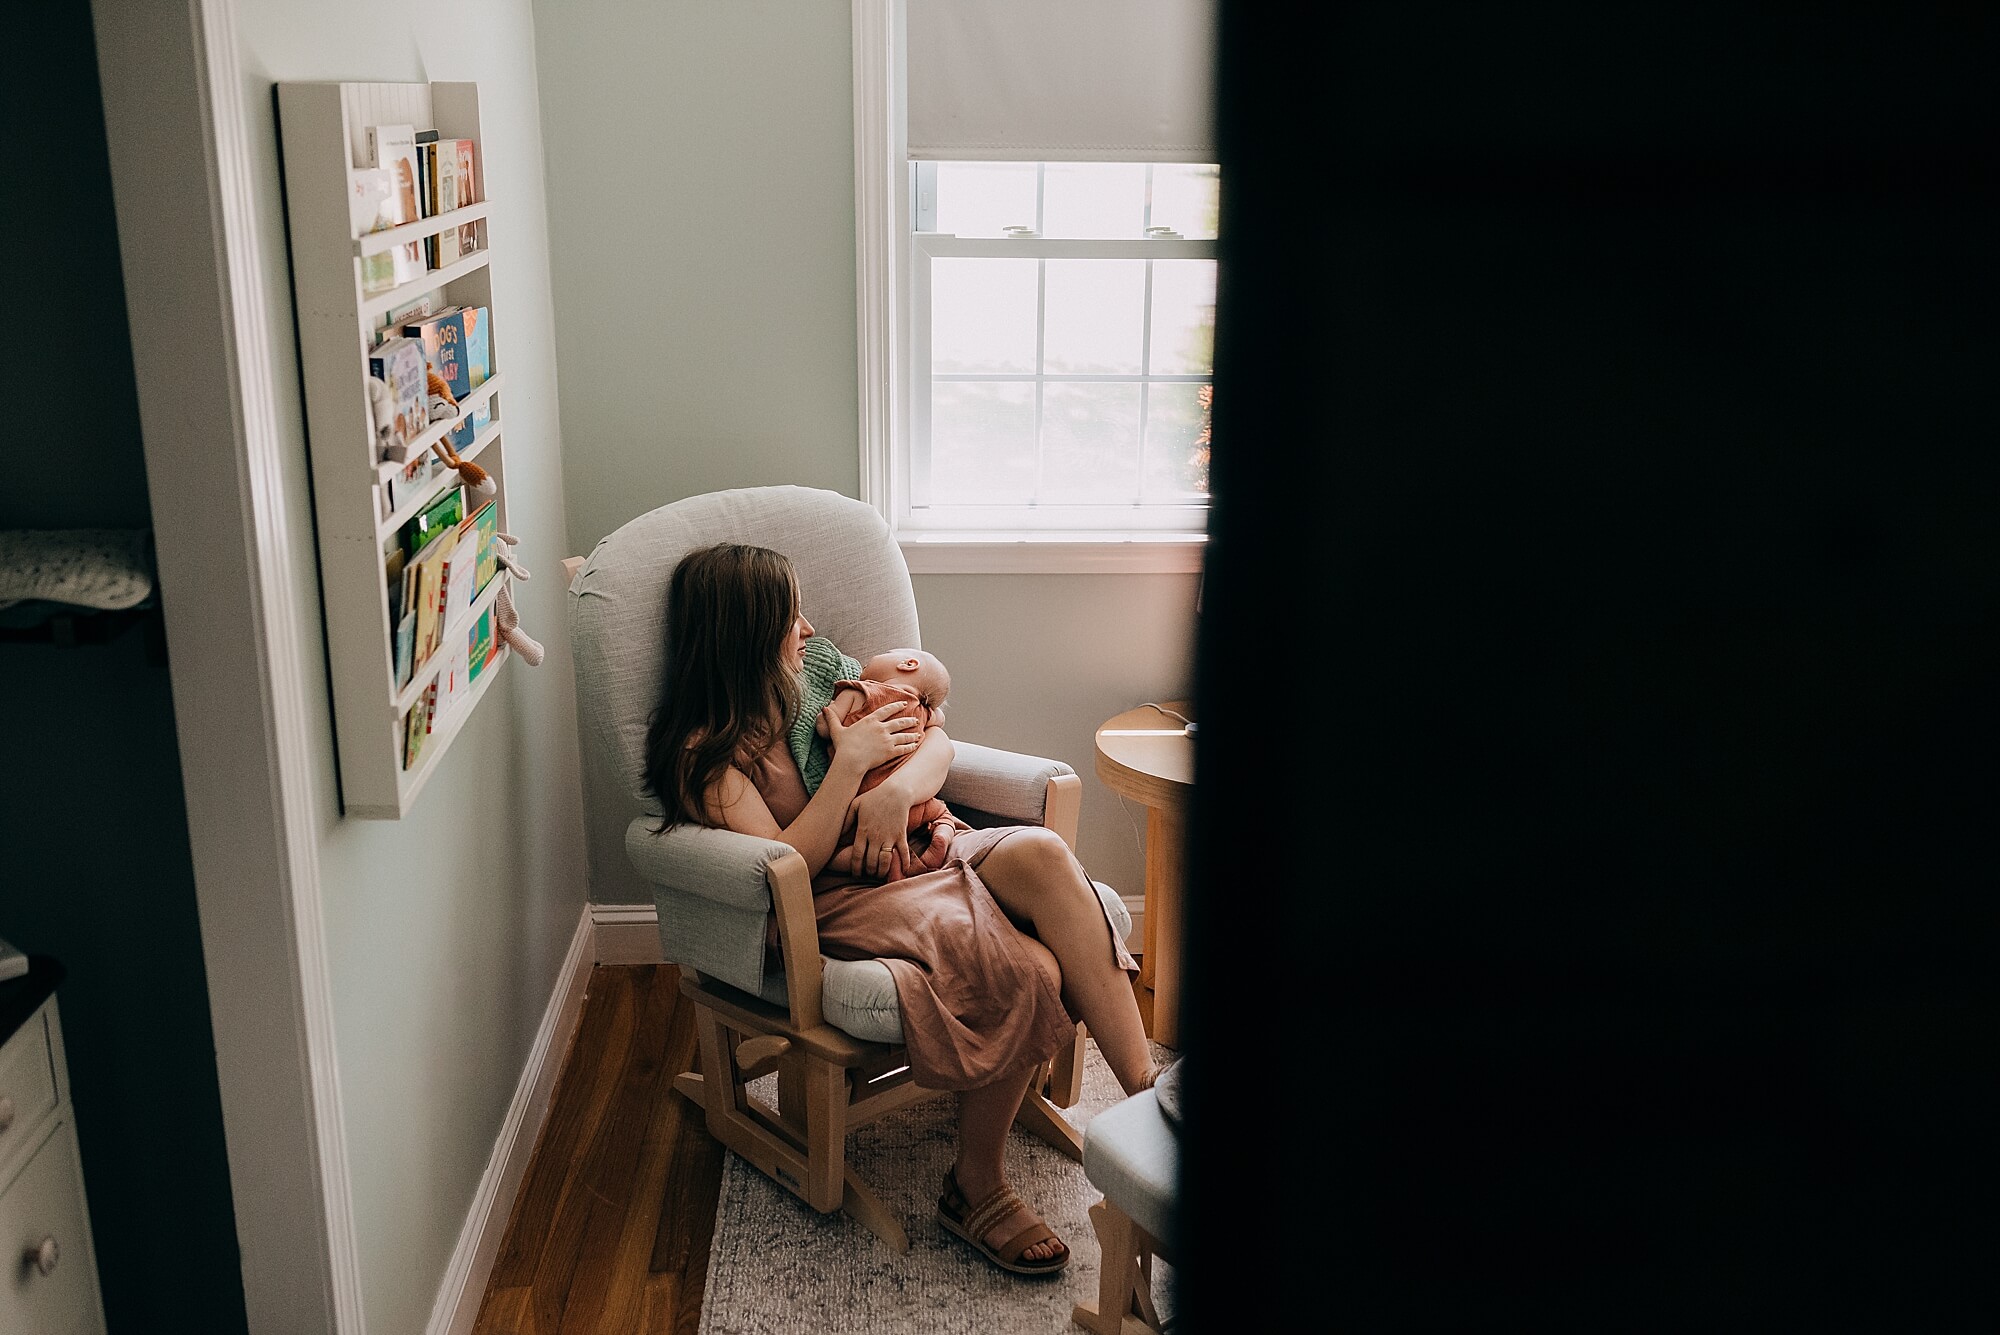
417 725
398 316
427 189
427 568
427 172
400 364
468 193
485 525
443 337
406 648
468 187
393 561
434 520
371 203
393 148
478 359
371 207
460 575
479 643
446 188
454 684
406 608
407 485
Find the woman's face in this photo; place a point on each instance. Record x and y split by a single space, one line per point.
795 642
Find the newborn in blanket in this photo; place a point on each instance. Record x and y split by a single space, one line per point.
920 682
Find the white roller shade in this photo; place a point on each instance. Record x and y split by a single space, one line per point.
1061 80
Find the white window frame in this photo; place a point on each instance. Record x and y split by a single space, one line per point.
885 305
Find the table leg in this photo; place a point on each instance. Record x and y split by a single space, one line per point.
1159 965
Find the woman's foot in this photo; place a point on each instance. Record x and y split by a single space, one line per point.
1154 1073
1003 1229
1167 1090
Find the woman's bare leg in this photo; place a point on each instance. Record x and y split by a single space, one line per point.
984 1116
1036 879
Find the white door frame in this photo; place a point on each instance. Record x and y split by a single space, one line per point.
181 179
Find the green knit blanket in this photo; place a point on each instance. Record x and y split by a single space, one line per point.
825 665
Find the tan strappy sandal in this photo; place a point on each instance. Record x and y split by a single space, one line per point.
974 1224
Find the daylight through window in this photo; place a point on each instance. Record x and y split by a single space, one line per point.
1061 344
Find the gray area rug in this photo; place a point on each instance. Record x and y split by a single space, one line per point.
777 1268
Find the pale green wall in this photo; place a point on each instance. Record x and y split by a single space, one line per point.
444 930
701 209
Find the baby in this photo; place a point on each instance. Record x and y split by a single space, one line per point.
921 682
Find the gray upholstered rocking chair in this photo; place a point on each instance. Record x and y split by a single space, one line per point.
831 1030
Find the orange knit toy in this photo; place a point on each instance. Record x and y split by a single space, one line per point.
475 477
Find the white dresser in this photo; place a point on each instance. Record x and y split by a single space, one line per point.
50 1281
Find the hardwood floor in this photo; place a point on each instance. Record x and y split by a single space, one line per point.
610 1232
611 1229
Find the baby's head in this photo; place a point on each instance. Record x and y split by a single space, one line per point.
916 669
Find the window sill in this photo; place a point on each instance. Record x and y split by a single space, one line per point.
1053 553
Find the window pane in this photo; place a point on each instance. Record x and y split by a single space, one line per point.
1094 316
982 443
1094 199
982 315
1186 198
1090 443
985 198
1176 441
1183 317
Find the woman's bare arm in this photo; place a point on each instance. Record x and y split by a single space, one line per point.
734 802
882 814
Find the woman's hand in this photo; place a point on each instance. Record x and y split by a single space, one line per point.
881 832
873 739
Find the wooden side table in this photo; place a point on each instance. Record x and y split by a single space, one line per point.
1145 754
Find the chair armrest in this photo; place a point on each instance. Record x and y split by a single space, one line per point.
1007 784
730 868
716 890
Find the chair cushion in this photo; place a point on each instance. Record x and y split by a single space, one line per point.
1132 1155
852 579
858 997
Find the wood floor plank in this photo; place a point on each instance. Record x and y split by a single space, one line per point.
584 1086
671 1307
686 1223
611 1165
623 1309
549 1219
503 1312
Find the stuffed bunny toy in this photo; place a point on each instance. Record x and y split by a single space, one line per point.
506 621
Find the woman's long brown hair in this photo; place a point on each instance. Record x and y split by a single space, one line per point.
727 693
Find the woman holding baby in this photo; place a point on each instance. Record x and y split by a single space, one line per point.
996 954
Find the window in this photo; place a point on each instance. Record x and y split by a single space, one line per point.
1037 281
1060 348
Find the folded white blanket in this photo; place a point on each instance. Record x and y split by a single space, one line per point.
105 568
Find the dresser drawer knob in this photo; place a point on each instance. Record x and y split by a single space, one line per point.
44 1256
6 1112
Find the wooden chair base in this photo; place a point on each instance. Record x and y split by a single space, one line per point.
1124 1303
828 1084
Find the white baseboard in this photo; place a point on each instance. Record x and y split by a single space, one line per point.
627 933
457 1306
1136 906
